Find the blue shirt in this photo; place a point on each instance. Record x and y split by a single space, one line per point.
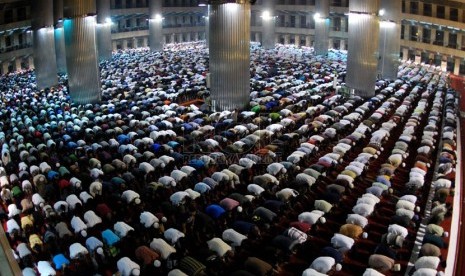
109 237
60 260
215 211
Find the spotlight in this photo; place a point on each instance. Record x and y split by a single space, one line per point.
381 12
317 16
108 20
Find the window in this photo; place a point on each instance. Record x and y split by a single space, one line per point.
414 7
337 24
140 4
454 14
118 4
413 33
8 41
303 21
128 22
22 14
253 20
336 3
403 6
292 21
402 31
452 41
439 39
311 24
8 16
427 9
441 12
280 20
426 36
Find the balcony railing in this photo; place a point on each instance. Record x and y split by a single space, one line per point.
15 47
129 29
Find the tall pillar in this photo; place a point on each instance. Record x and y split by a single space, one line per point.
297 40
287 39
269 24
103 30
5 67
362 59
44 43
30 61
342 44
207 25
446 38
155 25
389 40
81 51
145 42
457 66
114 46
405 54
60 51
308 41
418 56
321 27
230 44
18 61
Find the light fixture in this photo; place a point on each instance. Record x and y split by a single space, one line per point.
158 18
381 12
266 15
108 20
317 16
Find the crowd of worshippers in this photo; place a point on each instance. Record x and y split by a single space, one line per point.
140 185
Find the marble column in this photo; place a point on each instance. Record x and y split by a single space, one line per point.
44 44
268 24
104 30
405 54
229 43
155 25
60 51
81 51
5 67
342 44
308 41
457 61
322 23
30 61
389 39
18 61
362 58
